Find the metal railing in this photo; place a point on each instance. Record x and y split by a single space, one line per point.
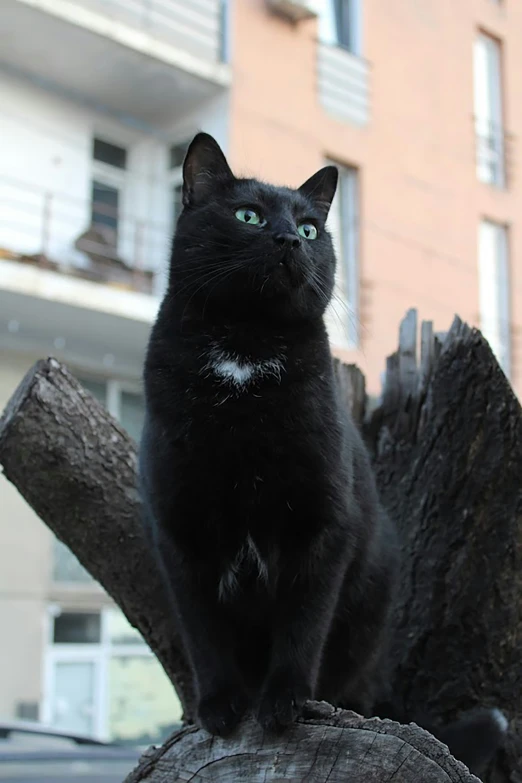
62 232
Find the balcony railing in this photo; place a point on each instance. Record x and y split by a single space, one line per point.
343 83
58 231
195 26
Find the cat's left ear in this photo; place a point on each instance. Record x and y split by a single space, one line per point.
204 166
320 188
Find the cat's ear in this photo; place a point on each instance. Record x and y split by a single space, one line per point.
320 188
203 167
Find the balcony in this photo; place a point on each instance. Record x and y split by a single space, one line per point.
343 84
75 280
149 59
82 238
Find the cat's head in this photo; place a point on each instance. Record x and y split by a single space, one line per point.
245 248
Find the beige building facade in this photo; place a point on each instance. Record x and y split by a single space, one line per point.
435 158
418 103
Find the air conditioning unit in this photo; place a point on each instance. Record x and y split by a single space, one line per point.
293 10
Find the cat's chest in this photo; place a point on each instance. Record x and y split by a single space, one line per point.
225 369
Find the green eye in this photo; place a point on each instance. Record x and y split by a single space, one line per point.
307 231
250 216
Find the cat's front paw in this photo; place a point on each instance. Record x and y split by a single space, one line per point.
220 712
282 702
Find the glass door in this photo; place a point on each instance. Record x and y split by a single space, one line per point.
72 705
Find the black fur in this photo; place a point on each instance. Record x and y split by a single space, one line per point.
259 492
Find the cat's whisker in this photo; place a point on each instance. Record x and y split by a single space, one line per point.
352 316
335 302
200 274
220 280
209 280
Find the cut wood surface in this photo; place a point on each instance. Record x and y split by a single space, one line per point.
447 447
327 746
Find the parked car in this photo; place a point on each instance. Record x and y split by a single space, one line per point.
33 753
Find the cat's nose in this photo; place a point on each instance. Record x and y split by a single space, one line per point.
287 241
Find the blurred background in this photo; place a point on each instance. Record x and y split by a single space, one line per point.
419 103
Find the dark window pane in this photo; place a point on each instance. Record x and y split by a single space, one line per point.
177 154
98 389
177 203
109 153
77 628
132 411
344 21
105 200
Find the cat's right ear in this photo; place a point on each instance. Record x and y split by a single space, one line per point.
204 166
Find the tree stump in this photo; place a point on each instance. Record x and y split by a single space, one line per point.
326 745
447 447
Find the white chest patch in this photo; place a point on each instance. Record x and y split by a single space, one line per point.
236 371
248 558
230 370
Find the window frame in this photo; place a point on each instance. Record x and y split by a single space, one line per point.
345 231
331 27
98 654
174 180
113 389
489 130
113 177
114 232
499 338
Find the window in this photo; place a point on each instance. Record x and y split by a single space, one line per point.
177 203
176 157
105 152
105 207
177 154
77 628
108 182
488 111
124 402
340 24
131 412
493 265
343 223
102 679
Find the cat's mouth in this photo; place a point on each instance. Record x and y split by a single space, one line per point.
288 269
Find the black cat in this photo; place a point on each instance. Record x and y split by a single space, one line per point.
258 489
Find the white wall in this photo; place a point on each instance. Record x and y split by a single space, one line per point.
45 149
213 117
25 563
46 171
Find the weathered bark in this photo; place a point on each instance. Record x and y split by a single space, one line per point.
326 746
447 445
447 442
